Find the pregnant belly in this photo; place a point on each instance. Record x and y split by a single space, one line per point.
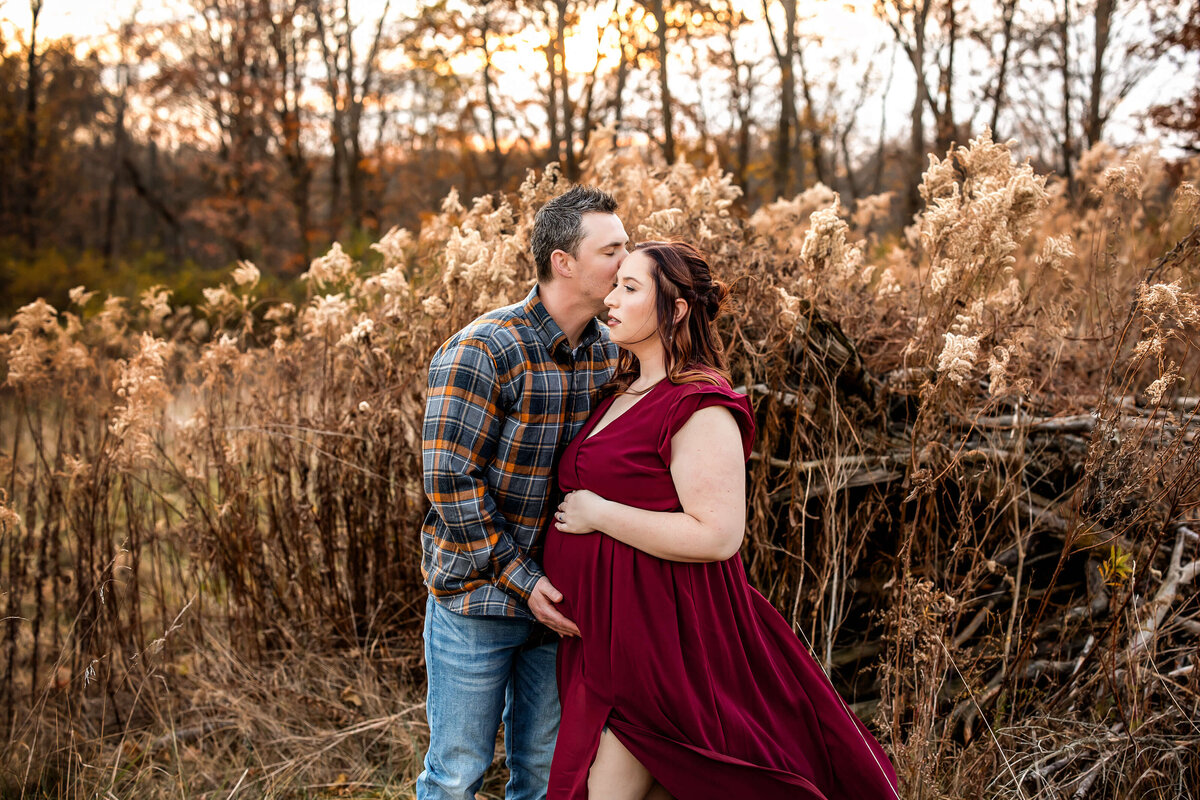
569 558
571 562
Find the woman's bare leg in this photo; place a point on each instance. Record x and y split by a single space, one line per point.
657 792
616 774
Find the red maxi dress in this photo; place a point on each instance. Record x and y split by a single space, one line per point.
692 669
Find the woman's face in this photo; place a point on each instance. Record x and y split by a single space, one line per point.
632 313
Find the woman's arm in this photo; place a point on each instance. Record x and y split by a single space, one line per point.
708 468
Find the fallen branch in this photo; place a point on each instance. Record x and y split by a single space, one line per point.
1076 423
789 399
1090 777
1178 575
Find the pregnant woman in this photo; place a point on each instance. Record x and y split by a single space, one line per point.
685 681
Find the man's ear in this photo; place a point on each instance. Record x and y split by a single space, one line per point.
560 263
681 309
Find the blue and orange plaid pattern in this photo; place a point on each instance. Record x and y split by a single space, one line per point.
506 394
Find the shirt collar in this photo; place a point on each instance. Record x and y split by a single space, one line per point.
547 329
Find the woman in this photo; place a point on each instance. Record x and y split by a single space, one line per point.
685 682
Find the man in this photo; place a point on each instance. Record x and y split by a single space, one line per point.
506 393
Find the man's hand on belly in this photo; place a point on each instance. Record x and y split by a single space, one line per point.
543 602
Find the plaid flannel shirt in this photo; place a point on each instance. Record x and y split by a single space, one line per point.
506 394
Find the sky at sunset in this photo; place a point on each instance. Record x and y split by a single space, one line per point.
841 27
83 19
86 19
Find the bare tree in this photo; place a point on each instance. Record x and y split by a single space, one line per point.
811 123
843 129
1068 139
119 145
1182 115
27 200
1008 9
1074 63
349 81
909 21
223 73
291 33
742 82
943 104
658 10
784 47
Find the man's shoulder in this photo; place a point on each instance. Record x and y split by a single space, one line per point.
496 332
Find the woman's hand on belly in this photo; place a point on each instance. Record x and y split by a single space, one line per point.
578 511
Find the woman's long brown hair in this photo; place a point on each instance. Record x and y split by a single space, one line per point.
694 353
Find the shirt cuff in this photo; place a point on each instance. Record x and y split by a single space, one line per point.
520 576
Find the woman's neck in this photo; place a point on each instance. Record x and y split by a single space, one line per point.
651 366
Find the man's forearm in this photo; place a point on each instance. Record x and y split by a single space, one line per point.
519 576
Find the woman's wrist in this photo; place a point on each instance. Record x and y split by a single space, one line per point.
597 512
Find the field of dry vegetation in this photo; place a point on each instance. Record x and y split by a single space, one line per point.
974 492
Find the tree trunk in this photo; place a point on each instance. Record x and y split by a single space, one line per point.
587 123
811 125
334 76
552 100
564 87
1068 143
880 150
237 178
1095 119
114 183
357 94
29 148
785 54
498 154
1009 10
658 8
301 167
945 109
617 104
288 52
917 57
741 111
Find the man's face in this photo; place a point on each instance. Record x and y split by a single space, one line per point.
599 255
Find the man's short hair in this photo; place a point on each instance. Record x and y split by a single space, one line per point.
559 224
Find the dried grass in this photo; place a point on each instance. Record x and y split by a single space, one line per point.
974 489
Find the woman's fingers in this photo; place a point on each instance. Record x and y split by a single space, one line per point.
564 519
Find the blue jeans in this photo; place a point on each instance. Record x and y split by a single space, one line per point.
478 675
